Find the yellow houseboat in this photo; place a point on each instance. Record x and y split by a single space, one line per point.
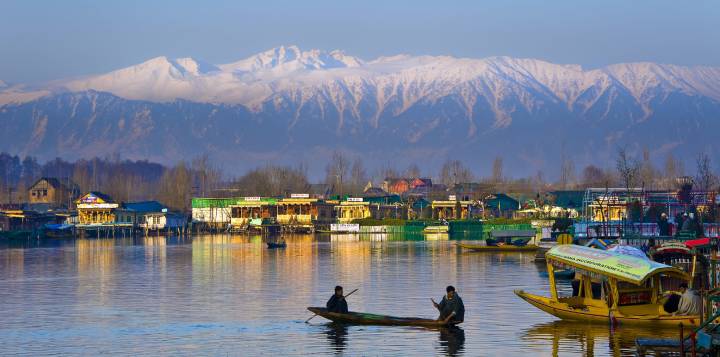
630 288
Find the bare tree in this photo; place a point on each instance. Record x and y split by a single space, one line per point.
673 169
358 176
206 175
454 172
538 182
593 176
412 171
272 181
705 178
497 170
628 168
567 172
337 170
648 173
176 187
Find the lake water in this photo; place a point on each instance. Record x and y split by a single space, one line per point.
231 296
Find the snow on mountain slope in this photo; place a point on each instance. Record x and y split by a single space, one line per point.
291 78
412 108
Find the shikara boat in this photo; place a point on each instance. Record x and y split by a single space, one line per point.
687 259
362 318
273 245
630 288
499 248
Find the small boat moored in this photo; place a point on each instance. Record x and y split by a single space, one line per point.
273 245
362 318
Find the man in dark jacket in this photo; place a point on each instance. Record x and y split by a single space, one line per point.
451 307
337 302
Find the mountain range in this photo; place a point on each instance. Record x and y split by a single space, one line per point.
289 106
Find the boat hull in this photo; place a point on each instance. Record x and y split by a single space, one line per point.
499 248
601 314
361 318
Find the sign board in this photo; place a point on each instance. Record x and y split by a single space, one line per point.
452 197
252 198
355 199
97 205
299 195
345 227
91 199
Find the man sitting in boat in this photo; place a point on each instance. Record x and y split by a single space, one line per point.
337 302
690 301
451 307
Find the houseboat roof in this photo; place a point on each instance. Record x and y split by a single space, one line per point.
94 197
144 206
628 268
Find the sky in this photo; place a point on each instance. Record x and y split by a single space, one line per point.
45 40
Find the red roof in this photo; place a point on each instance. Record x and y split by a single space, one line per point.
697 242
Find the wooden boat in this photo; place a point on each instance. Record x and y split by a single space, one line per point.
499 248
362 318
687 259
631 288
58 231
273 245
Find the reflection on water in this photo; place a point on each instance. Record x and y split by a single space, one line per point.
452 341
337 336
591 339
229 295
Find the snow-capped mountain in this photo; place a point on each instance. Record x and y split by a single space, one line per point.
400 108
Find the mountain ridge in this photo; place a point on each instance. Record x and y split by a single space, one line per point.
408 108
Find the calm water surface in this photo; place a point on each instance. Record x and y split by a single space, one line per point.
231 296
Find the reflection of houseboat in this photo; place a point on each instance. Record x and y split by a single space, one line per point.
344 228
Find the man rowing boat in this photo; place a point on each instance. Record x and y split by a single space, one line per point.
451 307
337 302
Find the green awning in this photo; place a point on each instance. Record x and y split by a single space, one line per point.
623 267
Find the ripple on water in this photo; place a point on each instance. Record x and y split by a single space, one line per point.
230 296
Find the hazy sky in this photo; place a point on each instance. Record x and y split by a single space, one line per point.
43 40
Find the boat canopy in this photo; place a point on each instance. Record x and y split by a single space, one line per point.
622 267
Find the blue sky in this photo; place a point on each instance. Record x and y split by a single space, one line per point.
43 40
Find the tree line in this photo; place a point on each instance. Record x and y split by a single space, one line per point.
128 180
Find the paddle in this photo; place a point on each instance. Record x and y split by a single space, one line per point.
344 297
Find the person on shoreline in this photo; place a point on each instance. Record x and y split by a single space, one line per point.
337 302
451 307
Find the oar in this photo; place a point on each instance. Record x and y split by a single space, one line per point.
344 297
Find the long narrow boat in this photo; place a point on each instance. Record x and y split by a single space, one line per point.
499 248
362 318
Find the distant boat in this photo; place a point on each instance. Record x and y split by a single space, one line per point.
499 248
58 231
273 245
